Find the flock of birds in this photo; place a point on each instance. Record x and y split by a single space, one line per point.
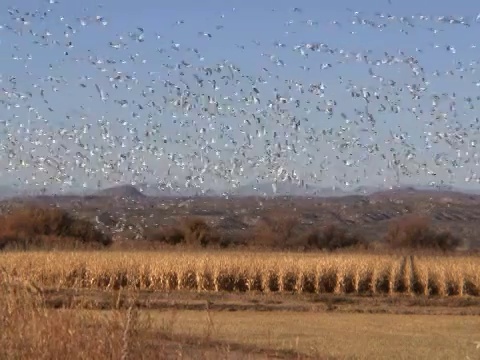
142 108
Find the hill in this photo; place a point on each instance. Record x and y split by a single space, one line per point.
122 191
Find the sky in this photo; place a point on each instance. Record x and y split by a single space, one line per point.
61 132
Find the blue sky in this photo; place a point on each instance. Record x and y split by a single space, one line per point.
253 36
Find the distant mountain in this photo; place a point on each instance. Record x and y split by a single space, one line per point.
173 190
283 189
366 190
122 191
268 189
7 192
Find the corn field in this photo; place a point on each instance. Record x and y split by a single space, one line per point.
245 271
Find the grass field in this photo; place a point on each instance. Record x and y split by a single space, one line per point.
238 305
362 336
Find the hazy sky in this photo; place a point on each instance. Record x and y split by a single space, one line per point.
268 42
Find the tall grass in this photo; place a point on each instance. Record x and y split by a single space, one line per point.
349 273
30 331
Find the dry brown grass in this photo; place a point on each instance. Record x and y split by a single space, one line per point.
30 331
331 335
246 271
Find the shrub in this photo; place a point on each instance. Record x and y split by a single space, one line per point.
39 227
275 230
235 238
331 237
191 231
171 235
197 232
416 232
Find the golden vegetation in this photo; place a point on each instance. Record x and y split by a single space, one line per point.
30 331
246 271
27 323
338 335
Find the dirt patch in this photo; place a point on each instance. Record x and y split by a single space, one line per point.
397 304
